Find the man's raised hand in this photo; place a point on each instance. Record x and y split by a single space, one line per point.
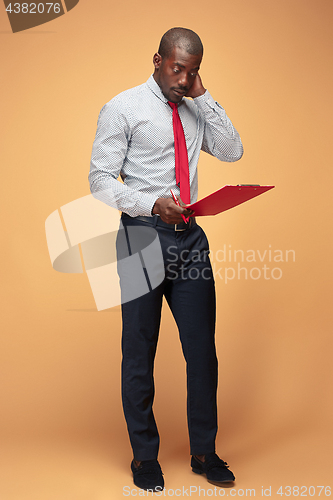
197 88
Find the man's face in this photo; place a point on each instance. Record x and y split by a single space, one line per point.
175 75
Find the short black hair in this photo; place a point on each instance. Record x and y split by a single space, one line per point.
180 37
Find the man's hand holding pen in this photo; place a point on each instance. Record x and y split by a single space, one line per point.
169 212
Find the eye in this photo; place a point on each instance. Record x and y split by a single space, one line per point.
176 70
194 74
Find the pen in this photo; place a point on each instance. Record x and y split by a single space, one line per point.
177 203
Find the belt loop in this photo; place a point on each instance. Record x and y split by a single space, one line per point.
155 220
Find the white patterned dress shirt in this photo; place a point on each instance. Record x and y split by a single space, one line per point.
135 138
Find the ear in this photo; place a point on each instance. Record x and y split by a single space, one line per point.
157 60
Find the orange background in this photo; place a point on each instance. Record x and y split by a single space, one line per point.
270 66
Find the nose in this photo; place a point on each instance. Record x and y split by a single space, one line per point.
183 80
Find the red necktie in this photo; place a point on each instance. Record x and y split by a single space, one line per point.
181 158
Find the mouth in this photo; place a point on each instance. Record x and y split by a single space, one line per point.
180 92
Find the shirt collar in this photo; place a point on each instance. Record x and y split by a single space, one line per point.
155 88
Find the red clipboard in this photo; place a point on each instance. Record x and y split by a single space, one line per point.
227 197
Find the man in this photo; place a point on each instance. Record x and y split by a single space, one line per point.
140 137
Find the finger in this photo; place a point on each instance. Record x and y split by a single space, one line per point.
187 212
184 205
176 211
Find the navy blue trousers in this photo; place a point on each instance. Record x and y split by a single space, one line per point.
189 289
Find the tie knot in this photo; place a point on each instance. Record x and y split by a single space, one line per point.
173 105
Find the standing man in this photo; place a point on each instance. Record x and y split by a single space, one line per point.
152 136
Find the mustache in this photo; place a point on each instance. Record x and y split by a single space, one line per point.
180 89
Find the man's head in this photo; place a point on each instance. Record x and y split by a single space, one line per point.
177 62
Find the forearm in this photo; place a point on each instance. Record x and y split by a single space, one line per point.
109 190
221 139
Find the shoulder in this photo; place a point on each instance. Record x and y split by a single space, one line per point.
125 99
121 108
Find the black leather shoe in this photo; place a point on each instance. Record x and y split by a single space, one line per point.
216 470
148 475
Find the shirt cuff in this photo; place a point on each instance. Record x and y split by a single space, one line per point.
145 206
